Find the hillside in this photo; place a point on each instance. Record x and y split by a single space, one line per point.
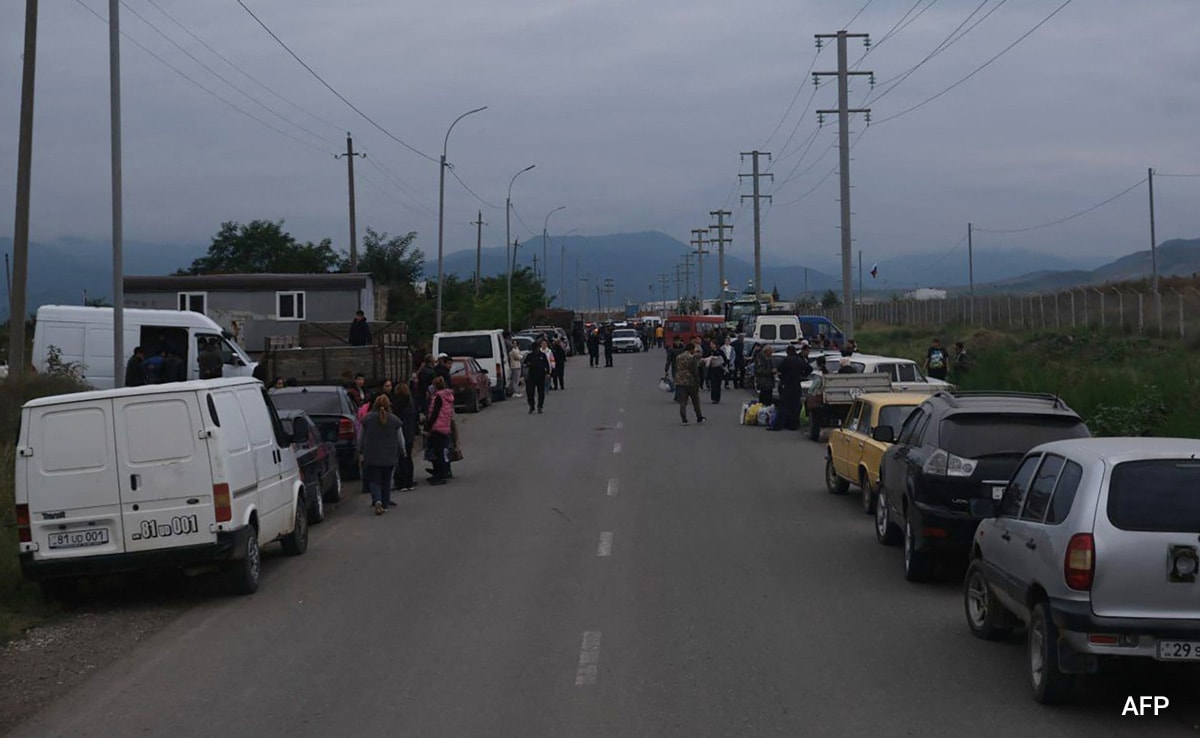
1176 258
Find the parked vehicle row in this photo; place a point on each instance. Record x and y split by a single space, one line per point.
1090 543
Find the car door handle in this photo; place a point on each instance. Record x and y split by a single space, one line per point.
1030 544
1006 536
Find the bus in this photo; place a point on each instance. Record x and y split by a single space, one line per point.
689 326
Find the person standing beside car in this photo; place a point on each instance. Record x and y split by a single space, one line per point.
379 447
403 407
537 368
560 364
439 422
764 376
514 370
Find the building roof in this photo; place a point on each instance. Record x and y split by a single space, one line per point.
240 282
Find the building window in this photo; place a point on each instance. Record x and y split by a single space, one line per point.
197 302
289 306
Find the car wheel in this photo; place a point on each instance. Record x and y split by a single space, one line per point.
473 402
316 509
334 493
296 542
1050 686
917 564
986 617
886 531
834 484
246 572
868 495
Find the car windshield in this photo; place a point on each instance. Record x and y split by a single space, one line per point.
1156 495
908 373
979 435
311 402
894 416
624 333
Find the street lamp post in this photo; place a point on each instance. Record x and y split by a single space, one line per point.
508 242
442 212
545 261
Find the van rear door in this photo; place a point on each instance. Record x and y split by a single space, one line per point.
67 471
164 473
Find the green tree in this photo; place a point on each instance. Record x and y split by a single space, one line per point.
830 300
391 260
263 247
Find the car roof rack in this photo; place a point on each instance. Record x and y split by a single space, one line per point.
952 396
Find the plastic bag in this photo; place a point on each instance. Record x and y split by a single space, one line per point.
752 413
764 414
664 385
742 416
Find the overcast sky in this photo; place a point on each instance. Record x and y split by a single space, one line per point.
634 111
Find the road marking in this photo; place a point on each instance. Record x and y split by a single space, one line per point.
589 658
612 487
617 447
620 409
620 424
605 547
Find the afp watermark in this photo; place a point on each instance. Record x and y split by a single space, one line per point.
1144 705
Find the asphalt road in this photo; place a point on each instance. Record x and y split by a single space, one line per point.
598 570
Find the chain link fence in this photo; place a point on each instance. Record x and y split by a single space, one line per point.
1169 312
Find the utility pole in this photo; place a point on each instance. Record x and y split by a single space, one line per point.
687 275
608 290
757 216
17 360
578 300
678 291
663 278
535 271
349 157
1154 252
479 224
843 113
971 268
118 223
720 241
805 283
698 241
860 286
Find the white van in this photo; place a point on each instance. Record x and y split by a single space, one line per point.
84 336
183 474
486 347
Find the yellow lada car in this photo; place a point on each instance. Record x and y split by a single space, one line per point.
852 456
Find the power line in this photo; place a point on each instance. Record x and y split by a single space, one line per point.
214 73
200 85
799 122
513 208
1160 174
400 187
981 67
896 28
866 5
241 71
795 97
329 87
1085 211
468 189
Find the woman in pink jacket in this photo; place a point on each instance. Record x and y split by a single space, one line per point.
438 422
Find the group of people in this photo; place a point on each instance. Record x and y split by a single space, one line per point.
167 364
543 369
597 337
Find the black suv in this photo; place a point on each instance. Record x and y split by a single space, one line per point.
956 447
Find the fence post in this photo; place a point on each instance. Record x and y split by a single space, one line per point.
1086 320
1042 310
1103 322
1120 308
1141 313
1072 308
1159 310
1179 299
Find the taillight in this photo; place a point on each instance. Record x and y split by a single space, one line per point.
944 464
1079 565
24 534
345 429
222 503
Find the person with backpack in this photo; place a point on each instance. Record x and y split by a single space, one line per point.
936 360
717 365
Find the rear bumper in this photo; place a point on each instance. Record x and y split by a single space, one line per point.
230 545
1078 617
955 530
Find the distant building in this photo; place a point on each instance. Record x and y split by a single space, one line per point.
925 293
262 304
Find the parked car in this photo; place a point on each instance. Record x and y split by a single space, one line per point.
335 415
852 456
955 448
170 475
906 375
471 384
626 340
829 397
317 460
1092 545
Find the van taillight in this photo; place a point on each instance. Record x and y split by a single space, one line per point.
24 535
1079 565
345 429
222 504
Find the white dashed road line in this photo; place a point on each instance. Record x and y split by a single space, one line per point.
612 487
589 658
617 447
605 547
620 424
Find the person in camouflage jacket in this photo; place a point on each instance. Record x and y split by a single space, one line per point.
687 382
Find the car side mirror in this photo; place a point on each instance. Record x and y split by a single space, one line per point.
983 508
884 434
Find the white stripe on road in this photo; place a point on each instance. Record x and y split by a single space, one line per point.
605 547
617 447
612 487
589 658
620 424
620 409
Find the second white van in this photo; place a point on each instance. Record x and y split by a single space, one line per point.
179 475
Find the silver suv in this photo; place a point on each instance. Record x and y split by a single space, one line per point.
1094 545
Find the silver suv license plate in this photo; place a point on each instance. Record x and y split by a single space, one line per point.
79 538
1178 651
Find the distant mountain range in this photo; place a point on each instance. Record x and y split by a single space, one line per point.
62 271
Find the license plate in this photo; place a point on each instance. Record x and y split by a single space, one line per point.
998 493
79 538
1179 650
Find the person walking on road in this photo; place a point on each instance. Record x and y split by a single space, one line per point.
764 376
439 424
687 382
716 372
537 369
608 347
379 447
658 335
559 375
403 408
739 361
514 370
792 372
727 353
593 347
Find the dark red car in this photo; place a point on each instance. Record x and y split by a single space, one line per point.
471 384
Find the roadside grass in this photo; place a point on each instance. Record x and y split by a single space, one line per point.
1122 385
21 604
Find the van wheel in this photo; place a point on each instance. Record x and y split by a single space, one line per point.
296 542
1050 686
334 493
245 574
316 511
